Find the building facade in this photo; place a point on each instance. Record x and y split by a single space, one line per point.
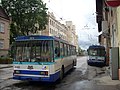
118 34
108 19
103 20
54 28
71 34
63 31
4 32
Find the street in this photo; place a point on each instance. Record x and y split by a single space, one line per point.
82 77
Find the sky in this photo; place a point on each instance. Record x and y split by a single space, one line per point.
82 14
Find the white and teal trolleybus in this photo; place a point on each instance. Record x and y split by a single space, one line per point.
42 58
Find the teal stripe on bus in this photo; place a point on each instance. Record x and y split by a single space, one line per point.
34 63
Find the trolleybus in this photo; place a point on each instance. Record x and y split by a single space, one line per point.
42 58
96 55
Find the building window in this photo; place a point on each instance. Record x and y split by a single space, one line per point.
1 44
2 27
50 30
50 21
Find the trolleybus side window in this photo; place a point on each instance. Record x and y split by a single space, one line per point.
70 49
65 49
61 49
74 50
57 49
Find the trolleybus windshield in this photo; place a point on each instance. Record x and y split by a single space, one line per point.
96 52
34 51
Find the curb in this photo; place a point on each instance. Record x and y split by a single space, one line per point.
6 67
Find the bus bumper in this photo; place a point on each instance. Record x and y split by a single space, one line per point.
51 78
95 63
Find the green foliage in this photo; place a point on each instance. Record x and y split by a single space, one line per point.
28 16
5 60
80 51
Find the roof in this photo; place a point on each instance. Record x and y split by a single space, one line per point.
96 46
33 37
38 37
3 13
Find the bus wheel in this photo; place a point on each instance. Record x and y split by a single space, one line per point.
62 73
73 64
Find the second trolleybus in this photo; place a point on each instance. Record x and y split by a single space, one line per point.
96 55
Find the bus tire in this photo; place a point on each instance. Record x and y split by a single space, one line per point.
61 73
73 65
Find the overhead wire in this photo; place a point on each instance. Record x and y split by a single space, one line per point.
61 18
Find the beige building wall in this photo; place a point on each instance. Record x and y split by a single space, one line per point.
71 34
76 43
4 36
118 24
65 32
54 28
118 27
113 27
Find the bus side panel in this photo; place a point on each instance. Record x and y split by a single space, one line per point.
68 62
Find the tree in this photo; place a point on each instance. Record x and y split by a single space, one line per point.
81 51
28 16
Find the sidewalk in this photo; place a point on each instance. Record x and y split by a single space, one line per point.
5 66
99 79
104 78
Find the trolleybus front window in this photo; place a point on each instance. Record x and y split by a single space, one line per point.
35 51
93 52
97 52
22 51
101 52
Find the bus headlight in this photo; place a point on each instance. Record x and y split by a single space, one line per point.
43 72
16 71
